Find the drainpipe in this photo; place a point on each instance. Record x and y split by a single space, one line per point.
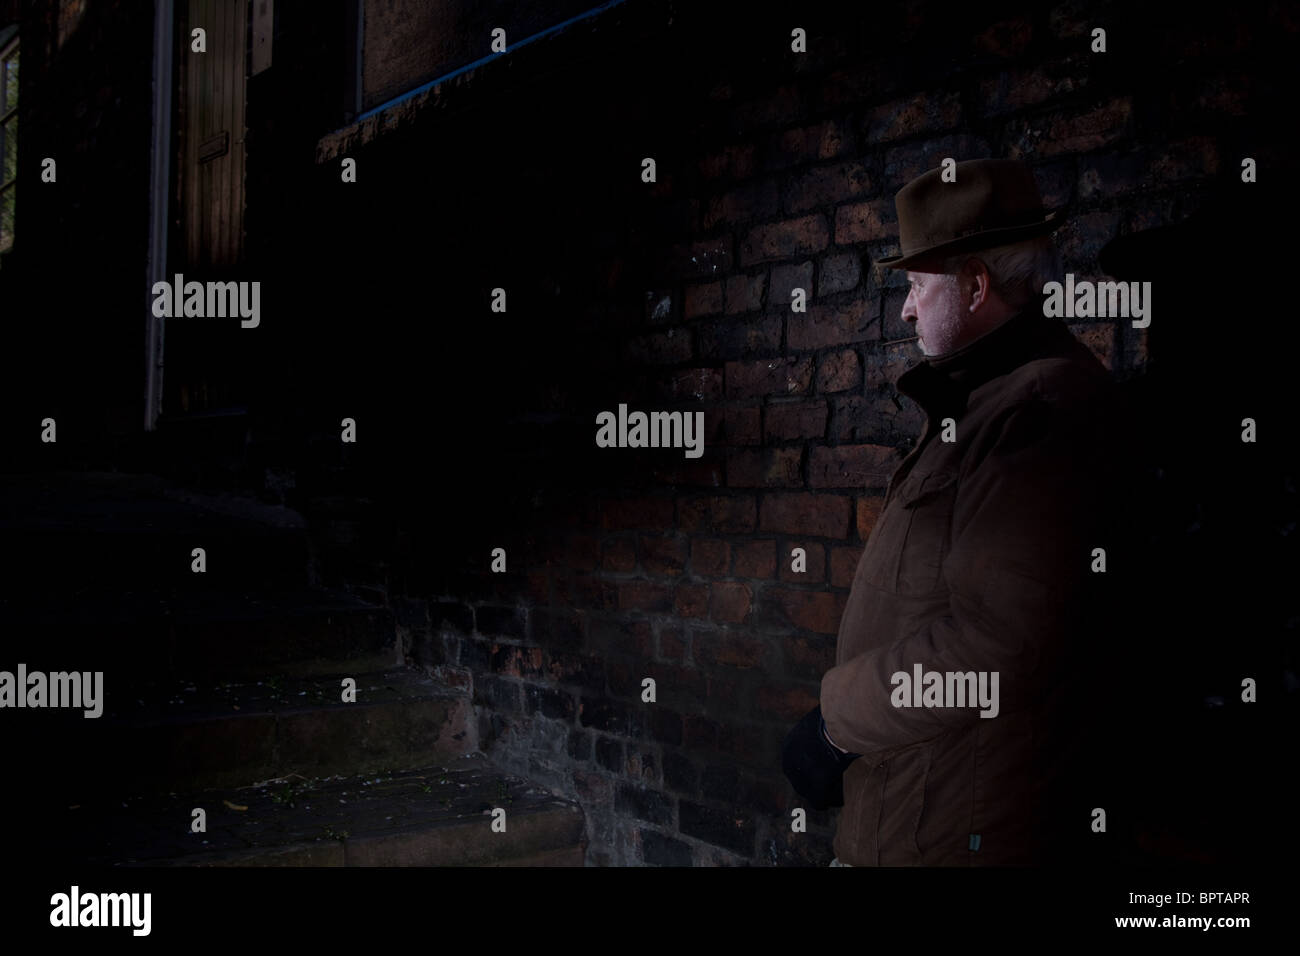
159 184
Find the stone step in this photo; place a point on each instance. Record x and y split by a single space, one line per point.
67 531
437 815
141 635
175 737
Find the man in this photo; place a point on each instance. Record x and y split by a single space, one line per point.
945 725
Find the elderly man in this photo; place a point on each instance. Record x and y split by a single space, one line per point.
946 727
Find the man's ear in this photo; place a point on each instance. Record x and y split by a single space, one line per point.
976 278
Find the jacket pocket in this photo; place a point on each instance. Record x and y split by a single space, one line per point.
927 501
902 807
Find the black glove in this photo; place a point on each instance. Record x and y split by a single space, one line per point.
814 767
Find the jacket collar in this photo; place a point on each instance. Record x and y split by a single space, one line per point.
942 384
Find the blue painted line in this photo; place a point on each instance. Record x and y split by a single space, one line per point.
425 87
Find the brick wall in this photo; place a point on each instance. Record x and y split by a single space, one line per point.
774 172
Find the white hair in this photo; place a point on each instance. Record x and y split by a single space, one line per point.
1018 271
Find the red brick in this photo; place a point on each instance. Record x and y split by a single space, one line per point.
808 144
624 675
839 273
691 473
784 280
698 384
782 106
736 162
866 222
895 327
787 702
755 559
579 552
1015 89
815 570
733 514
844 564
745 293
854 84
693 514
663 556
1193 158
584 590
821 516
757 379
838 372
692 600
1074 134
747 203
904 163
644 596
659 348
516 661
700 259
702 299
618 555
794 421
884 367
830 324
922 113
672 643
764 467
810 610
726 649
851 466
1006 38
539 585
743 425
621 635
827 185
808 657
1092 130
868 512
698 731
740 339
710 557
1100 338
785 240
729 602
620 514
1082 237
747 742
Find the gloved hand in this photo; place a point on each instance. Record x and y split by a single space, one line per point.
815 768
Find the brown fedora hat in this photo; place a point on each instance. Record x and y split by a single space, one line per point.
991 203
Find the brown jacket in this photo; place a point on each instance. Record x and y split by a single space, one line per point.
980 561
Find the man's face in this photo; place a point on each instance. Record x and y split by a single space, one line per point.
935 304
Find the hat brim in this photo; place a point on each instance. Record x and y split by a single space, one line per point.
979 240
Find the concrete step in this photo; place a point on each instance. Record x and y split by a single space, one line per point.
63 531
437 815
175 737
137 636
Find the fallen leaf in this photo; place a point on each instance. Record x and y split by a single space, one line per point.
233 806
